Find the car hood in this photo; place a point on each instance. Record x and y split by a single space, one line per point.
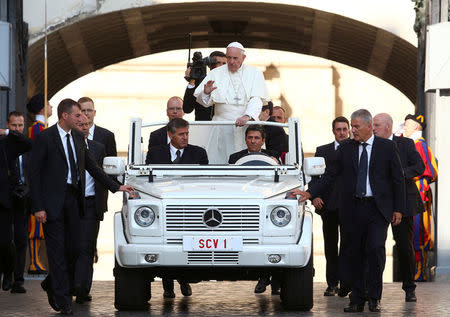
215 187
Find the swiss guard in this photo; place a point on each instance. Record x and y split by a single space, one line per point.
36 233
423 222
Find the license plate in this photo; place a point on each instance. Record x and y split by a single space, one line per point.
198 243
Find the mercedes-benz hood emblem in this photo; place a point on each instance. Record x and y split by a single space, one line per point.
212 218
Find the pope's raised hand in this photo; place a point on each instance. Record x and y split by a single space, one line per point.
209 87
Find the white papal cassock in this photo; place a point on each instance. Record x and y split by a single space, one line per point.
240 93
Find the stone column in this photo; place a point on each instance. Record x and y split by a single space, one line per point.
442 111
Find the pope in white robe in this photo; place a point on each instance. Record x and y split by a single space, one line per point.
238 92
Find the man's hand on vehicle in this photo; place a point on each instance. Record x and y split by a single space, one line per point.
241 121
304 195
126 188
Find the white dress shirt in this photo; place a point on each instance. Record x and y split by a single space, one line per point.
369 152
91 132
90 184
173 152
63 137
336 145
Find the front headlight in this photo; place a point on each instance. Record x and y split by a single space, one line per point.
144 216
280 216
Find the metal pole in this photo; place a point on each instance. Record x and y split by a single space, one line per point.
45 70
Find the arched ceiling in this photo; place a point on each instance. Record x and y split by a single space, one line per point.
79 48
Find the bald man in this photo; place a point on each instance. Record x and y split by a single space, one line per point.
403 233
174 110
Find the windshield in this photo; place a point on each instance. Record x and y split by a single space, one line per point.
249 148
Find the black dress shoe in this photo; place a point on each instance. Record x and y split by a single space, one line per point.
275 291
343 291
410 296
169 294
331 291
81 299
17 288
7 282
354 308
374 305
186 289
50 295
66 310
261 286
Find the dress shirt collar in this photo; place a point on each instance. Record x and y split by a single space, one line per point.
91 132
391 137
173 151
336 145
369 141
63 133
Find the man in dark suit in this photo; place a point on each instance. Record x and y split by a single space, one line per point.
19 200
190 103
276 137
12 144
59 160
96 205
101 135
96 132
373 197
413 166
174 110
178 151
255 136
326 206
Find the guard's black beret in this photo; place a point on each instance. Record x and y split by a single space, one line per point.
420 119
36 103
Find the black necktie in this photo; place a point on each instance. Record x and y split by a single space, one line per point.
178 158
362 173
73 166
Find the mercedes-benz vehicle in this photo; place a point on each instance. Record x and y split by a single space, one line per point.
213 222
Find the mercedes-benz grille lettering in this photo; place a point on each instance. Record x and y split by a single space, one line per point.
212 218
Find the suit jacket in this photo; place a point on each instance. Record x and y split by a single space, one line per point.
236 156
385 177
276 139
97 150
329 195
413 166
158 137
49 170
192 154
106 137
190 103
11 146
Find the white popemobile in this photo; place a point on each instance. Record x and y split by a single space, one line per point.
213 222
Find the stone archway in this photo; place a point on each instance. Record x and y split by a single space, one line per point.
78 48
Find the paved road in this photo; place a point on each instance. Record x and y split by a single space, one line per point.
229 299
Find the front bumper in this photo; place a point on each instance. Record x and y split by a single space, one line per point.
133 255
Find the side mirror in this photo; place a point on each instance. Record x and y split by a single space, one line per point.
114 166
314 166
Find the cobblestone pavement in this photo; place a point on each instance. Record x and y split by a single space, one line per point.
229 299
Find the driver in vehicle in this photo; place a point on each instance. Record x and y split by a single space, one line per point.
255 136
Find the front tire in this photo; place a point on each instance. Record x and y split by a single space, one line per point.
131 289
297 287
